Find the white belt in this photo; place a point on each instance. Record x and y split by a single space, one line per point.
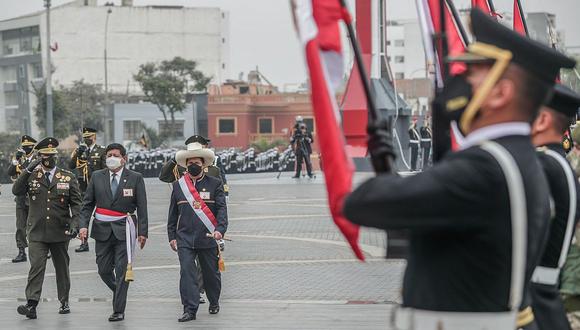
425 140
416 319
546 275
413 141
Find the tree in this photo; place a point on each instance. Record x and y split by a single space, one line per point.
73 107
166 84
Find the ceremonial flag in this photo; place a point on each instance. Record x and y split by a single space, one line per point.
520 25
486 6
317 22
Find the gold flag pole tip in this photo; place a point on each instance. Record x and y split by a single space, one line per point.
129 273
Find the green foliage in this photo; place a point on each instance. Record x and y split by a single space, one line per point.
167 83
9 143
73 107
153 139
263 144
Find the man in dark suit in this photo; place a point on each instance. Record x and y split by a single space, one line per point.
197 218
114 195
301 141
55 203
483 221
547 130
85 160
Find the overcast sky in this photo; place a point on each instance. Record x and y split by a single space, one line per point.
262 34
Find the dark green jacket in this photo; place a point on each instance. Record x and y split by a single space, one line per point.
53 208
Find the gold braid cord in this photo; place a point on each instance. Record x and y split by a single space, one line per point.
83 166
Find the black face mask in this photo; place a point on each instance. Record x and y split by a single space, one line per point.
28 149
194 169
49 162
454 97
88 142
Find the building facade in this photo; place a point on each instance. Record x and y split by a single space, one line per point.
80 30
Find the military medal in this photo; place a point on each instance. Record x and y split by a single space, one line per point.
33 198
39 175
57 175
196 205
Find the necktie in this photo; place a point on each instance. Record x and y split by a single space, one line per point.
114 184
47 176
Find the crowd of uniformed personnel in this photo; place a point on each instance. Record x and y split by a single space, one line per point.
98 190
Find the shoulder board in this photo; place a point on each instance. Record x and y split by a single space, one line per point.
65 171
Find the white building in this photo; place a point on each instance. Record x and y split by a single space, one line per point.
405 50
133 35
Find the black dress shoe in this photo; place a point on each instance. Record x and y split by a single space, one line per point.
64 309
116 317
296 177
27 310
187 316
21 257
214 309
84 247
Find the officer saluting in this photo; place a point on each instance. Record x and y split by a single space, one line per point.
53 218
21 160
197 210
86 159
547 130
476 239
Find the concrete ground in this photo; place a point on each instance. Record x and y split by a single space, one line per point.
287 267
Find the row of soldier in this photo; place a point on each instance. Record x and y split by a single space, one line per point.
420 144
55 205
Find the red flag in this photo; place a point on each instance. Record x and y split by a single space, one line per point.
317 22
519 19
486 6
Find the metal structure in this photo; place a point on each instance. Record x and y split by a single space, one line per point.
49 116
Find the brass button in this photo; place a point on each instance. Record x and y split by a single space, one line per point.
48 208
48 200
47 218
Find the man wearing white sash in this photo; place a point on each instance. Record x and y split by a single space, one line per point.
197 218
117 198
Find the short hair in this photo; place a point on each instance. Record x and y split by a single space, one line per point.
561 121
116 146
532 92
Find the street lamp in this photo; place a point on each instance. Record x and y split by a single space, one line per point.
49 123
106 105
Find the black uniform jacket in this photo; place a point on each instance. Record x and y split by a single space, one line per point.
96 160
130 196
54 208
560 195
459 219
171 172
185 226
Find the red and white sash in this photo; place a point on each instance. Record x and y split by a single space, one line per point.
197 204
106 215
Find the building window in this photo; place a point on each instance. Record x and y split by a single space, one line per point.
10 98
388 42
399 43
244 89
265 125
21 73
399 59
26 44
37 70
132 129
399 75
176 130
227 126
309 122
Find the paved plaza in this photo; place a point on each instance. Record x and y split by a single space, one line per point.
287 267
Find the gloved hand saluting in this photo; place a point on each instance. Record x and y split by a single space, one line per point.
33 165
380 145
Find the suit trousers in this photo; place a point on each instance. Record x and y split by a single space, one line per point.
199 275
38 252
112 265
188 285
21 219
303 157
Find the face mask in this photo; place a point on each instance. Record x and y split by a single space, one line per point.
88 142
194 169
454 97
113 163
27 150
49 162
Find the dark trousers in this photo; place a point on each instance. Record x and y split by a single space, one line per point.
414 153
37 252
21 219
188 286
199 275
303 157
112 265
548 307
426 152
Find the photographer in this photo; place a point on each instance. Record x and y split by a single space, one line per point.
301 143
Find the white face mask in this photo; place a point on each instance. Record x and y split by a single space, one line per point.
113 163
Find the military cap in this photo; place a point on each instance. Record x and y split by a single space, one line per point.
27 141
564 100
47 146
536 58
88 132
197 138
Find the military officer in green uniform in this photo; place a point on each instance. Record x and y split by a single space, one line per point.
53 218
22 159
86 159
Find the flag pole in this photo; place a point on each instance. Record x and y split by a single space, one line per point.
374 114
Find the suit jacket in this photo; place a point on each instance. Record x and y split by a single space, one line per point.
458 216
185 226
54 208
130 196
